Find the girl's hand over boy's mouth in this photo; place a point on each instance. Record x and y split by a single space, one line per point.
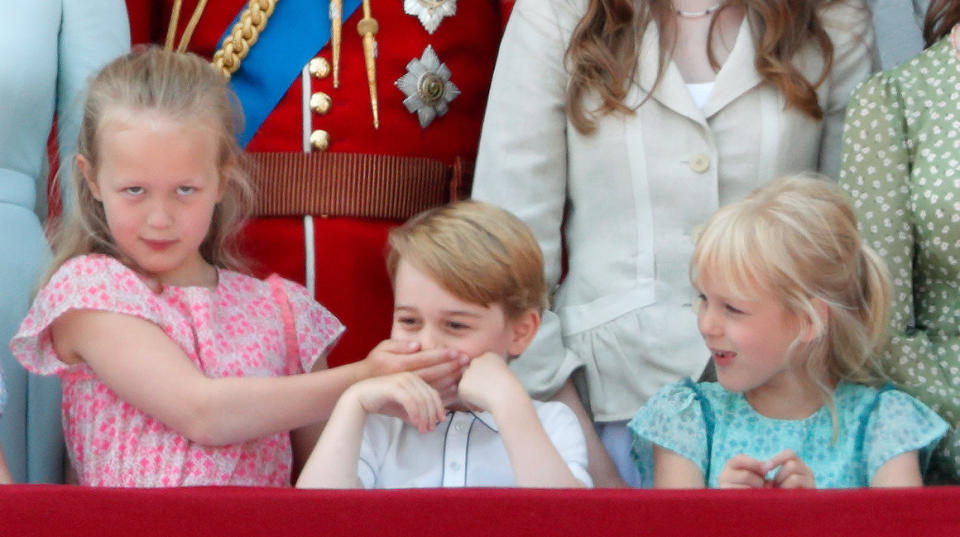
441 368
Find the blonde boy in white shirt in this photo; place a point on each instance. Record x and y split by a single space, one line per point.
467 276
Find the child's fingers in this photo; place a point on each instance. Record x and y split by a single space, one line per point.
794 474
433 357
421 403
431 403
780 458
411 401
398 347
446 373
740 479
742 471
746 463
794 481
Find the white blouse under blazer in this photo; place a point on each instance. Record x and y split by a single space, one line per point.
630 194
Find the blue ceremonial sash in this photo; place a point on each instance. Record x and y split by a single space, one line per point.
296 31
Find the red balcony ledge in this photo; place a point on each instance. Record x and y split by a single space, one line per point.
27 510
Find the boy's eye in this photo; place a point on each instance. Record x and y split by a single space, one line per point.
134 190
184 190
407 321
457 326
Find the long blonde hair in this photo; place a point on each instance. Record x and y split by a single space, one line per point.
183 87
604 50
797 237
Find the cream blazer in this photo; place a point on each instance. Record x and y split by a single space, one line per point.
627 197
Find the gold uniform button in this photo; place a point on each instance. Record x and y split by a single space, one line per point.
700 163
320 140
319 68
320 102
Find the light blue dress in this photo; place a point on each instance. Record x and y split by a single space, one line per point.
50 49
709 425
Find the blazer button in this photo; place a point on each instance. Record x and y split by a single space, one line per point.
319 68
319 140
699 163
320 102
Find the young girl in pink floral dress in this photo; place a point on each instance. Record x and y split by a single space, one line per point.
177 370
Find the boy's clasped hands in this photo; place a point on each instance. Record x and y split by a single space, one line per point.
420 398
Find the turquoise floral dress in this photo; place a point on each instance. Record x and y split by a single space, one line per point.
709 425
901 166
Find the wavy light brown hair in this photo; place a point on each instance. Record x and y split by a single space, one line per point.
184 87
941 17
605 48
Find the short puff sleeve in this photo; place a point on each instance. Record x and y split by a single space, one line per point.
899 424
89 282
315 331
672 419
564 431
378 431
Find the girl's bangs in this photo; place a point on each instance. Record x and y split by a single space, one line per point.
729 254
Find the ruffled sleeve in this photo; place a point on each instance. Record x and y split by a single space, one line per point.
316 330
673 419
898 424
561 425
91 282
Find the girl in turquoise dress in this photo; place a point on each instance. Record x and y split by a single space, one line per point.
901 166
791 303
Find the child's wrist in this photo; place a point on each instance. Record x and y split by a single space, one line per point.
361 370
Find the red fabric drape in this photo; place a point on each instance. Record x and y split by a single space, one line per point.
27 510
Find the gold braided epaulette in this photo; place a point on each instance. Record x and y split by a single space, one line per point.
244 34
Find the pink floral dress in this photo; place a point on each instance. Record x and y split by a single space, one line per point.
243 327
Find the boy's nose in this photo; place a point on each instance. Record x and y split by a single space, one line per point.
429 338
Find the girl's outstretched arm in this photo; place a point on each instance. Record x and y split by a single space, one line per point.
147 369
674 471
900 471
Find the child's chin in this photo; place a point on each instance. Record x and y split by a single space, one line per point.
731 385
457 406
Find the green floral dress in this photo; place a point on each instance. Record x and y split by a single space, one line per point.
901 166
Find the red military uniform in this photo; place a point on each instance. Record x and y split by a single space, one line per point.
349 276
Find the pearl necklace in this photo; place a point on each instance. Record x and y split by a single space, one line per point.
696 14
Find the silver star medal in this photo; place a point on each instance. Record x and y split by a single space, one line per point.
427 87
430 12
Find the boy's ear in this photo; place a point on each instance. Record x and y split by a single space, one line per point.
522 330
811 330
86 169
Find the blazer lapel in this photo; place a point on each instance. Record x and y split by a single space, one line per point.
672 91
738 74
